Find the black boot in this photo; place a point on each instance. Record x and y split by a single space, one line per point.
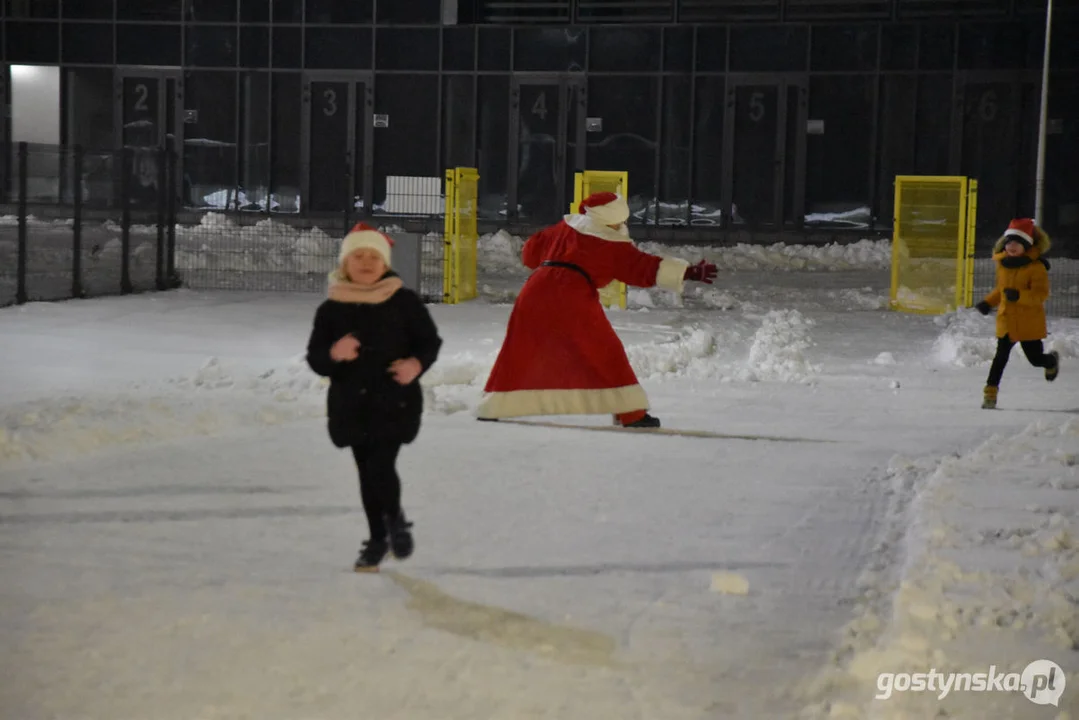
401 543
1053 370
373 552
646 422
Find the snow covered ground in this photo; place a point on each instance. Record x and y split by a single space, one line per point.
176 531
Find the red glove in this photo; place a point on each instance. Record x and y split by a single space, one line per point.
703 271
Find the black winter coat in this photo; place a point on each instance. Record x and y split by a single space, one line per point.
365 404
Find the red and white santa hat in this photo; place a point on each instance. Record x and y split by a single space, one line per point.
606 208
364 236
1021 229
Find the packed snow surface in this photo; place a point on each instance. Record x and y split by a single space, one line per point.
177 532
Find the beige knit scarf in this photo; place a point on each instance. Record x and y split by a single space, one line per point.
344 290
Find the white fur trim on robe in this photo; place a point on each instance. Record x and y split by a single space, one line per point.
524 403
587 225
671 274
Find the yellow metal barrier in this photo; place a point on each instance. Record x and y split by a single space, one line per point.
933 243
459 255
593 181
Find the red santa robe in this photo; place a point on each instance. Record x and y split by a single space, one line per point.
561 356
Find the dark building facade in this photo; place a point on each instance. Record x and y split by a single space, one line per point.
781 114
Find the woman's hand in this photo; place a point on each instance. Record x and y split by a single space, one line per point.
406 371
345 349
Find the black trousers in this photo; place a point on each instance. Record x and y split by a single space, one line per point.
1033 349
380 488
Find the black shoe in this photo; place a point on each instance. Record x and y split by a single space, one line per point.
373 552
487 419
646 422
1052 372
401 543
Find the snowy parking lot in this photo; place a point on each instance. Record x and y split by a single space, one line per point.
177 532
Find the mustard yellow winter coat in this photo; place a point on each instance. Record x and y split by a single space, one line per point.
1023 319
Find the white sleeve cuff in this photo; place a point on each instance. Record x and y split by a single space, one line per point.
671 274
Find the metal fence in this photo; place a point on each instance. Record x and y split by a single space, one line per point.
80 224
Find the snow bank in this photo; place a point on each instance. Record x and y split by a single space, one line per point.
968 338
989 577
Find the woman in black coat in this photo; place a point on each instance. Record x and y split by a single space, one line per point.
373 338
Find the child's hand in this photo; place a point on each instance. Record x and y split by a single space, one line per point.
345 349
1012 294
405 371
983 307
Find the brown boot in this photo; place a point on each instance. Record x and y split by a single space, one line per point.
989 398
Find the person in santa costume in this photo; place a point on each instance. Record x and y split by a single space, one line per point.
561 356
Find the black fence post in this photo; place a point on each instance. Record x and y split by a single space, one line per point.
349 194
76 227
20 292
126 168
163 187
170 218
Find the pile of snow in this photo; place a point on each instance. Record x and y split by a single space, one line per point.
989 577
777 351
968 339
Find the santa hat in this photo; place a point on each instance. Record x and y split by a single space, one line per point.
364 236
606 208
1021 229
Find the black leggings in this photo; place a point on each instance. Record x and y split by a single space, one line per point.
1033 349
380 488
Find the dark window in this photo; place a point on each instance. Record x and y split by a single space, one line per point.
1062 158
410 12
90 115
627 105
287 11
674 152
406 48
211 10
625 11
706 11
287 47
996 46
409 146
458 105
936 47
32 8
285 139
620 48
678 49
148 10
933 125
712 48
551 49
210 45
332 48
838 160
32 42
254 11
899 47
88 43
808 9
936 8
1062 52
494 49
844 48
768 48
254 46
710 103
458 48
255 140
896 115
148 45
492 143
333 12
89 9
210 138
